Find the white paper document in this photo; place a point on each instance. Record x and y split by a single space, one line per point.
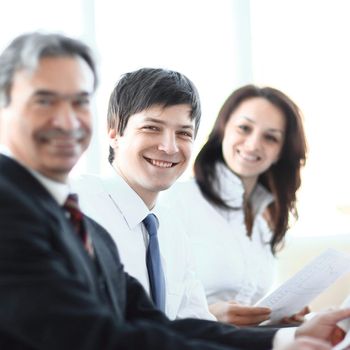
306 284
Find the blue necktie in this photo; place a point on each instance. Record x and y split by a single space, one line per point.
154 264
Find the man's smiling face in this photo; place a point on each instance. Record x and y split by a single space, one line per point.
47 123
154 149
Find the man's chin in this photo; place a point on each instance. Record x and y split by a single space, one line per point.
60 171
164 186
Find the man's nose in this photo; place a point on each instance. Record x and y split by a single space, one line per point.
65 117
168 143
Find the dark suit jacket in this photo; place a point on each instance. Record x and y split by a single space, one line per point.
54 296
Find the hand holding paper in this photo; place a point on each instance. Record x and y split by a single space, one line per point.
238 314
305 285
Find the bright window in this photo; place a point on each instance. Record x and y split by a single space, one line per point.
302 47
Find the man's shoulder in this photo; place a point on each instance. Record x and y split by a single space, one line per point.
9 167
91 183
17 180
25 204
182 193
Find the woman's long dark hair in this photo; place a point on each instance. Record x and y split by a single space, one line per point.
282 179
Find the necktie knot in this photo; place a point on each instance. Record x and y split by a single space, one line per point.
71 205
150 222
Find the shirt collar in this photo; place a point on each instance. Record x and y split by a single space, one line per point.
58 190
5 151
130 203
231 189
260 199
230 186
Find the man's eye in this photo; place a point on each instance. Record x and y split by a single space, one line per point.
81 102
151 127
186 134
45 101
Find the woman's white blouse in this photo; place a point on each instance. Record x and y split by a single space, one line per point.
231 265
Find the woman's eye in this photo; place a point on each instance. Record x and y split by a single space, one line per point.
271 138
244 128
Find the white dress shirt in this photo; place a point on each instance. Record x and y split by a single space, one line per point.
118 208
231 265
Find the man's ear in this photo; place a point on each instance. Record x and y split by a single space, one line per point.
113 138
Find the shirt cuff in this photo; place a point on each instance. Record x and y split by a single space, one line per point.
284 337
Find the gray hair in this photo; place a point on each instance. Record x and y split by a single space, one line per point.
25 52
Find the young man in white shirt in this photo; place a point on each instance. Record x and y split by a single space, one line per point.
153 118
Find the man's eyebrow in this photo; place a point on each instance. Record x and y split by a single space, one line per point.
44 92
162 122
187 126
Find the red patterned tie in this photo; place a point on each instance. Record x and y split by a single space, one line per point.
76 216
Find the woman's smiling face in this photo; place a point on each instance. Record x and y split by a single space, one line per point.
253 138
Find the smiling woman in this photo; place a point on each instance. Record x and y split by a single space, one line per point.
253 140
246 178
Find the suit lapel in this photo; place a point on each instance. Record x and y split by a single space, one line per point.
78 254
77 257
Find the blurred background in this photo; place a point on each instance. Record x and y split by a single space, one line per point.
300 47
